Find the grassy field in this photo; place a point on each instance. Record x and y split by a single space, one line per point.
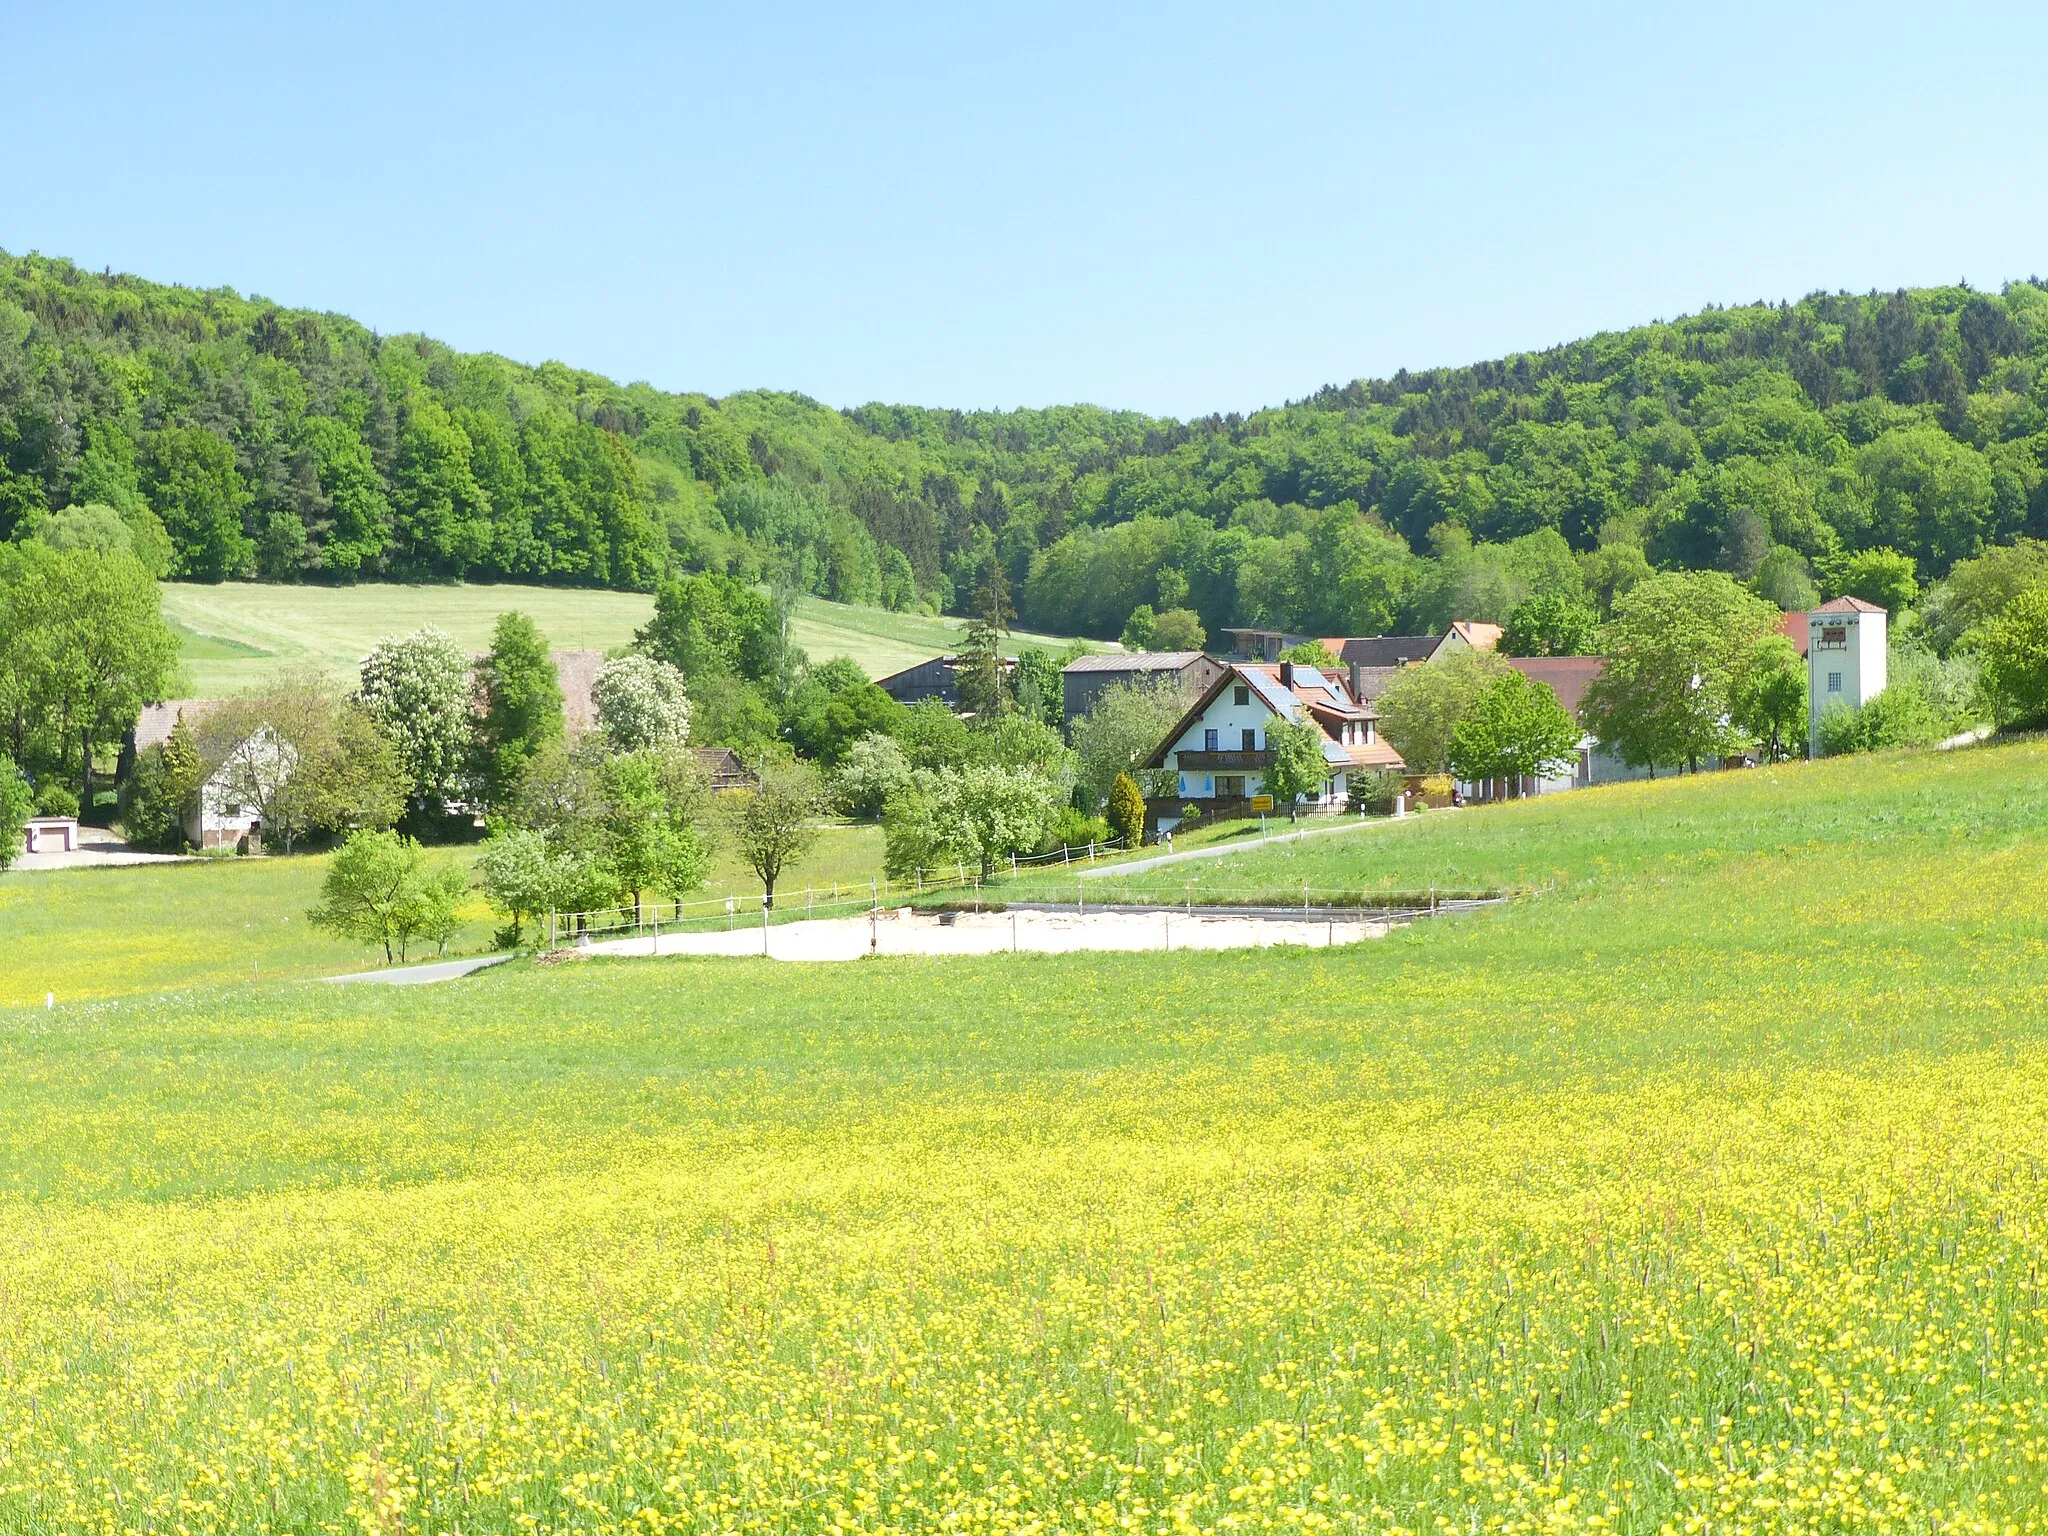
237 633
97 933
1702 1192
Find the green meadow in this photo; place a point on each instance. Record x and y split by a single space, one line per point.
1699 1188
235 634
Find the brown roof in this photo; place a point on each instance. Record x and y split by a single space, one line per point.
1329 705
153 726
1479 635
577 671
1847 605
1568 676
1793 627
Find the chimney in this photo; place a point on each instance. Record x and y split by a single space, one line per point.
1286 674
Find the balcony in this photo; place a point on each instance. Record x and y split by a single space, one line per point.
1223 762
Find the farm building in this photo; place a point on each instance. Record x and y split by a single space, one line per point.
938 678
1083 679
1219 752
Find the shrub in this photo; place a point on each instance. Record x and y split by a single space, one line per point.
1374 792
380 889
2013 652
1126 811
1190 816
54 799
873 769
1075 829
15 804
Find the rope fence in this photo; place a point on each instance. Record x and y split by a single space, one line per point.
714 912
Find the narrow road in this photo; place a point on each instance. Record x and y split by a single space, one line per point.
1224 850
415 975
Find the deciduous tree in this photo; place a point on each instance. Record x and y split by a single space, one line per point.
522 705
775 823
1516 728
1676 648
1298 771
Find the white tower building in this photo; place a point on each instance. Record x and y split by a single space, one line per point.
1845 651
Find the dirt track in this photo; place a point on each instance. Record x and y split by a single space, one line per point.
899 931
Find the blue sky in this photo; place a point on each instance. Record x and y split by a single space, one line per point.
1177 209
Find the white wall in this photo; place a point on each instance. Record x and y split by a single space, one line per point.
1855 664
1229 720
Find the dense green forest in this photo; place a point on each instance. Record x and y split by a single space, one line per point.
230 437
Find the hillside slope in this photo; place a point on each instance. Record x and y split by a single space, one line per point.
296 445
235 634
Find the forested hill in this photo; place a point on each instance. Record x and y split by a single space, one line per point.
232 437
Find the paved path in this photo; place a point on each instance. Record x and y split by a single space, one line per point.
413 975
1224 850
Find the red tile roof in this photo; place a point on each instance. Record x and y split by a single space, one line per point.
1568 676
1847 605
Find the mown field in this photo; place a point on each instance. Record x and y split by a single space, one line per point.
1701 1192
235 634
97 933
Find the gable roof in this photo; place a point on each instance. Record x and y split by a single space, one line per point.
154 725
1847 605
1568 676
576 672
1477 634
1134 661
1315 694
1382 650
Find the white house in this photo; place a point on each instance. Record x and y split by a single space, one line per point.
1845 660
1219 751
228 813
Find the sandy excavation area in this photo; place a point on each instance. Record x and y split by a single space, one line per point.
900 931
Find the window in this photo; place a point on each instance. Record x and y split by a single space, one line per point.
1230 786
1241 695
1209 740
1250 738
1834 682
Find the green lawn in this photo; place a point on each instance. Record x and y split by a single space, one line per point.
237 633
1703 1189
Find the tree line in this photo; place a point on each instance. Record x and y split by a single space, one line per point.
217 436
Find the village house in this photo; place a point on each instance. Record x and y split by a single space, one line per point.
1372 662
1219 752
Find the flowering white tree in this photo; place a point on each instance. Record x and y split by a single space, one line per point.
417 689
873 769
641 704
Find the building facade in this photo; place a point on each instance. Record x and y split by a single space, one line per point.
1083 679
1845 660
1219 751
